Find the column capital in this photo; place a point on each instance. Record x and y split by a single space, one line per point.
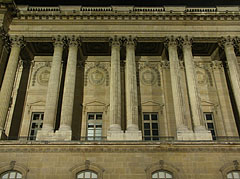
185 41
130 41
17 41
171 41
73 40
115 41
59 40
226 42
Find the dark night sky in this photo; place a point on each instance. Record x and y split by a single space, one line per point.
196 3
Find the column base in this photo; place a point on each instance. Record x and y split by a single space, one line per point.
115 135
3 136
121 136
60 135
202 134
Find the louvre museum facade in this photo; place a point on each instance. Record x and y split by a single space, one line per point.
119 91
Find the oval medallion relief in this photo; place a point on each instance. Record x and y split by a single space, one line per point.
96 77
43 76
201 78
148 77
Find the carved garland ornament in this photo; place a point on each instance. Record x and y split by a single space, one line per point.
41 75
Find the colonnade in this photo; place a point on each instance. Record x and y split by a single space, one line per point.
115 132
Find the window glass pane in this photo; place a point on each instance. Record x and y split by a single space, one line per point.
155 175
146 117
229 175
12 174
210 125
80 175
87 174
161 174
90 117
168 175
155 125
19 175
236 175
98 126
5 176
146 126
208 116
155 132
146 132
147 138
94 175
99 116
154 116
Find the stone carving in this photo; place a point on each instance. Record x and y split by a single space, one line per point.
41 75
201 77
149 74
96 74
96 77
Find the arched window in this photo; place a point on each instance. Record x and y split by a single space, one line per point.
11 174
161 174
87 174
233 175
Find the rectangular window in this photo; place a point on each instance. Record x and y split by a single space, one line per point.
36 124
150 126
210 124
94 126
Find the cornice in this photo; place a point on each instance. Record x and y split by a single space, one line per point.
128 13
103 147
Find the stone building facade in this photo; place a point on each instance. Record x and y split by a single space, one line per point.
119 92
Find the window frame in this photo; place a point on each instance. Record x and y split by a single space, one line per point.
87 165
9 174
150 122
95 122
83 171
14 166
164 171
33 137
214 137
232 171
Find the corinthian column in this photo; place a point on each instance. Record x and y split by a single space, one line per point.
196 112
8 81
53 91
69 88
115 87
233 66
176 87
131 90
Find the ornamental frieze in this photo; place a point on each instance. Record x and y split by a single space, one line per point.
150 148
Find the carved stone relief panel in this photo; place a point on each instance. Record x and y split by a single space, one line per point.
203 74
149 74
40 73
96 74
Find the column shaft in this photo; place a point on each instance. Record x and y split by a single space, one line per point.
176 86
53 87
196 112
115 88
233 71
7 85
131 87
69 87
